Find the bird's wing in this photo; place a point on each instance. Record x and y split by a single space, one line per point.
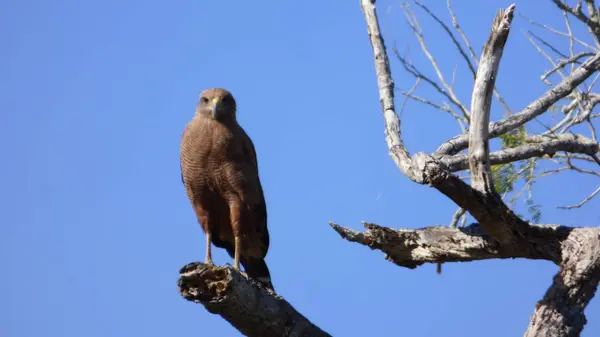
181 154
251 190
254 189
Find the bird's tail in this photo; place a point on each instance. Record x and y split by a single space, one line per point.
257 269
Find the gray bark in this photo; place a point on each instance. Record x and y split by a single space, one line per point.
534 109
485 80
252 309
560 312
500 233
537 146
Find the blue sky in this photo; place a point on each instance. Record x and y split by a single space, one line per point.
95 95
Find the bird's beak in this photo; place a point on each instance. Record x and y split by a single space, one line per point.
215 108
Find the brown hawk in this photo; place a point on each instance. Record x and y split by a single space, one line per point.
220 174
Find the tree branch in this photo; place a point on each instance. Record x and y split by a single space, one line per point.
481 102
393 134
578 13
418 32
562 63
461 32
250 308
557 32
454 40
586 200
411 69
534 109
538 146
497 219
411 248
561 311
459 47
576 250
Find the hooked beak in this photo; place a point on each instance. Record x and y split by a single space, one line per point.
215 108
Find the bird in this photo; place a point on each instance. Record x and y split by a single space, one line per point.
219 171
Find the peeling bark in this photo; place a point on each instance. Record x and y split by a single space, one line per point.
411 248
252 309
560 312
500 233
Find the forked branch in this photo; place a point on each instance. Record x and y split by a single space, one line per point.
535 146
575 250
534 109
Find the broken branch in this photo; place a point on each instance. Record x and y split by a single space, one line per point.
247 306
481 102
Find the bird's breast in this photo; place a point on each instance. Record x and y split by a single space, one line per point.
204 151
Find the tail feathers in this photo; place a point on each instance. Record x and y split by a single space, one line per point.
257 269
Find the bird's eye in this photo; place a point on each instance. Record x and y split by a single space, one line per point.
204 100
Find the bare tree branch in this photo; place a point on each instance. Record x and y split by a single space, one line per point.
576 156
479 163
459 214
411 69
576 12
570 32
411 248
409 94
398 151
538 146
460 120
534 109
544 54
562 63
545 43
561 311
592 21
461 32
497 219
557 32
577 251
454 40
252 309
459 47
587 199
418 32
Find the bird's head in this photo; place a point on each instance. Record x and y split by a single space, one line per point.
217 104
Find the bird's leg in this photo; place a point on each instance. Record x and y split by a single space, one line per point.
204 221
235 215
208 260
236 259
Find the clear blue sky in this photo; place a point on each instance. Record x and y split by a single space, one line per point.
96 224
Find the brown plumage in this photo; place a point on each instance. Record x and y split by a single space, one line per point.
220 174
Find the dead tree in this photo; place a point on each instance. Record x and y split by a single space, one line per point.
498 233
